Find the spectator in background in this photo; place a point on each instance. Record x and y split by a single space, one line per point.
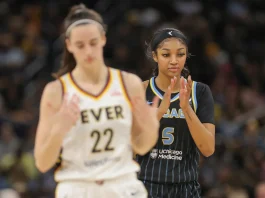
9 143
226 40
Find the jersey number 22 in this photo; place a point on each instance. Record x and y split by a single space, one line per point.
108 134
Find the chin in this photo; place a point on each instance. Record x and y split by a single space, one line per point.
88 64
172 74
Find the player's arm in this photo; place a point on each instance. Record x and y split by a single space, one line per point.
48 140
201 123
57 116
145 123
165 103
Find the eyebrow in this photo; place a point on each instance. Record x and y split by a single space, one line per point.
80 42
169 49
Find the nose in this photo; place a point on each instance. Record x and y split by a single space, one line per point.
88 50
173 60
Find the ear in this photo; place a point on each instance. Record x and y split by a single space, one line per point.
104 40
154 56
68 45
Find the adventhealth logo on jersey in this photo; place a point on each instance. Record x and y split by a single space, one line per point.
166 154
101 162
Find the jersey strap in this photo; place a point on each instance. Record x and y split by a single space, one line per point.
157 93
193 96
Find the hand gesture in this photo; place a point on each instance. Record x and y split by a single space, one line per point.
165 103
144 114
185 91
69 112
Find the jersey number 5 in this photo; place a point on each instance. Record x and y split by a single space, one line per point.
98 135
167 135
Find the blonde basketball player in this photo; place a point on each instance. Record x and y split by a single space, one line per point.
92 118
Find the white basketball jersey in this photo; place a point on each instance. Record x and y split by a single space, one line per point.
98 147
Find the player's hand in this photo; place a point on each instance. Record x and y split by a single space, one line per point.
185 91
145 114
165 103
69 112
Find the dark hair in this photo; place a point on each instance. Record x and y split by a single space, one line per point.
158 37
76 13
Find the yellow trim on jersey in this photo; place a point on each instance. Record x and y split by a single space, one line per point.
193 94
95 97
63 86
124 90
153 89
59 163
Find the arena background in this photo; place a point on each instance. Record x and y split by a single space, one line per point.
226 39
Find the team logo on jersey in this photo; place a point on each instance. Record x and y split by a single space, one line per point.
154 153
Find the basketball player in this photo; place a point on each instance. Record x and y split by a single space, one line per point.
260 190
187 126
86 118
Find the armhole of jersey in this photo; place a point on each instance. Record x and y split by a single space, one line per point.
58 164
194 97
124 88
59 161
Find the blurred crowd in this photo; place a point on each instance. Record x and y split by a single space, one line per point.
227 43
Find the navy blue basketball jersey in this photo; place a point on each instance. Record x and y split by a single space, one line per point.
175 157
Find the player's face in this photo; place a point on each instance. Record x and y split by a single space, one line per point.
86 43
171 56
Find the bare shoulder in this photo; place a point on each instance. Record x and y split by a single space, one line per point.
133 84
53 93
52 88
131 80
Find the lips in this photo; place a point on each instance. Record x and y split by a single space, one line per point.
174 69
89 59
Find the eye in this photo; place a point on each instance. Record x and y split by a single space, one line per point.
165 55
181 54
80 46
94 43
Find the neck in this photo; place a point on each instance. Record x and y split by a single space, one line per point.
92 74
163 81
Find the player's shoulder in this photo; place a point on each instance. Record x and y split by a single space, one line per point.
53 91
131 79
201 89
53 87
200 85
